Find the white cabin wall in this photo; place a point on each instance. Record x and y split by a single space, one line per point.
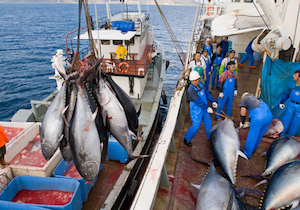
240 42
231 5
292 21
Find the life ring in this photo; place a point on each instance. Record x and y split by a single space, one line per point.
124 70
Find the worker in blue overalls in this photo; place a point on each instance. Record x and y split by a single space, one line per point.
199 109
228 89
216 62
249 54
225 62
291 119
206 59
208 47
261 118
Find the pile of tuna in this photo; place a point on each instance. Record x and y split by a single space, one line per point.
86 108
282 173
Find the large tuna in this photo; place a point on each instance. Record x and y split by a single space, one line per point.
84 139
216 192
64 145
283 189
281 151
127 104
114 116
52 126
225 143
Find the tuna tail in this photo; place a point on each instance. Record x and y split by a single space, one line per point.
203 162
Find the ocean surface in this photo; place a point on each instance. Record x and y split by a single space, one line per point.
30 34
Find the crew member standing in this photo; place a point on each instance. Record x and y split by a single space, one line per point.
206 59
3 140
249 54
225 62
199 66
199 109
260 120
216 61
121 52
228 89
225 45
208 47
291 119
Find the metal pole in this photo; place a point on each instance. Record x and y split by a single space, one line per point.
191 39
97 26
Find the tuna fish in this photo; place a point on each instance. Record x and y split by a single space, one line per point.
114 116
281 151
127 104
64 145
216 192
84 139
283 189
225 143
51 129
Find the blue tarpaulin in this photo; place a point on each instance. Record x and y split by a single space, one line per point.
275 77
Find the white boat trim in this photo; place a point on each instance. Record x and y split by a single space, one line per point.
108 35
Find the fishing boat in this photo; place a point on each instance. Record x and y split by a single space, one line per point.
140 76
166 184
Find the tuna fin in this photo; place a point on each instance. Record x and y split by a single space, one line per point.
139 112
41 132
66 121
242 191
261 182
95 113
200 161
101 146
196 186
262 154
64 110
139 156
214 128
294 204
240 153
230 203
130 132
61 137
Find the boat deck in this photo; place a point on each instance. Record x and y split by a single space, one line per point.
182 195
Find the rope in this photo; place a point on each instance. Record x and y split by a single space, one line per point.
178 48
261 15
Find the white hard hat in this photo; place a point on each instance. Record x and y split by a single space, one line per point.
194 75
208 39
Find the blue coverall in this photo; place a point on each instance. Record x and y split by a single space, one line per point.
225 46
261 118
249 54
208 48
216 65
228 91
291 119
208 67
198 112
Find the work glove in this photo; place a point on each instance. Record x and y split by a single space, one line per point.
235 93
120 55
209 73
215 105
212 68
245 125
281 106
209 110
221 95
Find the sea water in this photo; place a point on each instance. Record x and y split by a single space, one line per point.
30 34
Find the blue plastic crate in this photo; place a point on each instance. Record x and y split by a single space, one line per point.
63 166
124 26
18 206
116 151
41 183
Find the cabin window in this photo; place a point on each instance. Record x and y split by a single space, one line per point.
236 0
105 42
248 1
117 42
130 42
